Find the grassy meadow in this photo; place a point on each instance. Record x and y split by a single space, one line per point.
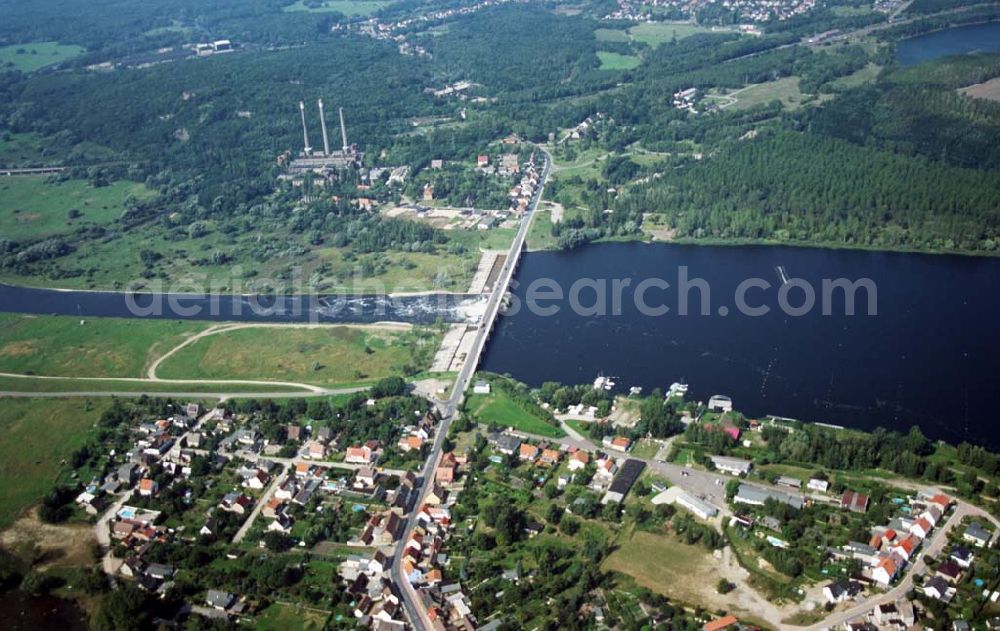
30 57
349 8
31 207
617 61
60 346
328 355
37 435
499 408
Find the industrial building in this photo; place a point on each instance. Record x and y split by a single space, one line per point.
324 162
756 496
732 466
627 475
702 509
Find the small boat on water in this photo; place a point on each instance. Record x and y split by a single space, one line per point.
604 383
782 274
677 389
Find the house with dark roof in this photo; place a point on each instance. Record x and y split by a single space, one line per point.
627 476
840 591
977 535
218 599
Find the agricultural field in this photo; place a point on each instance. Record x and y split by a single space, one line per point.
349 8
499 408
32 207
617 61
326 355
31 57
38 435
65 346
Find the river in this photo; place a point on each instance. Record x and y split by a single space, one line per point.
976 38
357 309
928 357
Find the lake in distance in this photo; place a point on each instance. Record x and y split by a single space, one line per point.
928 358
975 38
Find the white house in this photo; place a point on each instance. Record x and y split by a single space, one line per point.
481 387
816 484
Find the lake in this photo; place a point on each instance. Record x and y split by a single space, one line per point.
929 356
976 38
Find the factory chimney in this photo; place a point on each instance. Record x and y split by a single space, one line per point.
343 130
322 124
305 132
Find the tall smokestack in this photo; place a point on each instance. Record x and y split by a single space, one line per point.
343 130
305 132
322 124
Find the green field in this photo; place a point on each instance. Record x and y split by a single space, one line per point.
123 386
349 8
31 207
37 435
665 565
617 61
60 346
785 90
29 57
499 408
656 33
328 355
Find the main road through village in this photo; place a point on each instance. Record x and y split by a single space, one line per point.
415 610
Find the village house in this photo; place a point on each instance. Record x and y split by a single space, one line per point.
885 572
977 535
618 443
504 443
359 455
854 502
528 452
148 487
841 591
939 589
316 450
410 443
578 460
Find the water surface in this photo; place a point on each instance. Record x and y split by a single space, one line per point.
976 38
929 357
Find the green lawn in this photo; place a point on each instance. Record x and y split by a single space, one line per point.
617 61
29 57
31 207
328 355
37 435
60 346
499 408
280 617
349 8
